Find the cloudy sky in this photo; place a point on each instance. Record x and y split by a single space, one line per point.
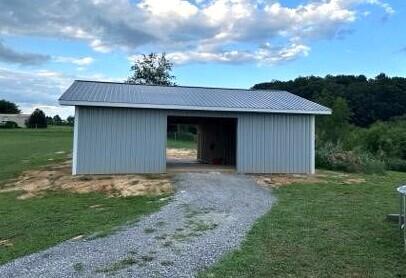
46 44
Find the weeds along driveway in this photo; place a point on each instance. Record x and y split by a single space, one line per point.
208 216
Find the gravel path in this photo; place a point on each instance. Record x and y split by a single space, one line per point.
208 216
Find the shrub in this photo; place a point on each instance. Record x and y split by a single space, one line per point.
371 165
396 164
8 124
334 157
37 120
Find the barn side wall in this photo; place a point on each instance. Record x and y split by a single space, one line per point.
275 143
119 140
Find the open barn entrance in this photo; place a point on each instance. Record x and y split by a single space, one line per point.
201 143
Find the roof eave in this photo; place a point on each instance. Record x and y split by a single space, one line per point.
179 107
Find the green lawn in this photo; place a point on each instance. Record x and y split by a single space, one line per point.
30 225
324 230
183 144
22 149
38 223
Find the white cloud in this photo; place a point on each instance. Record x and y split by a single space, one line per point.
169 8
32 88
264 55
201 28
84 61
40 88
385 6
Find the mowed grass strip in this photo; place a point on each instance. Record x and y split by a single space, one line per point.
324 230
181 144
30 225
37 223
23 149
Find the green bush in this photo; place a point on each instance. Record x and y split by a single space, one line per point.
8 124
334 157
37 120
385 139
371 165
396 164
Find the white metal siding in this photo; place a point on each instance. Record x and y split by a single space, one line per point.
275 143
117 140
126 140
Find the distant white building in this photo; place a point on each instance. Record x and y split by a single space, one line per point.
19 119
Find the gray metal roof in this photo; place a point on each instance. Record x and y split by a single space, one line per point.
94 93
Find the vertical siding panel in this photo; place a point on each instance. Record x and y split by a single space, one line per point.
274 143
112 140
312 144
256 134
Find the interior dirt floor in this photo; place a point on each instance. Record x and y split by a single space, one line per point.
185 160
182 166
181 154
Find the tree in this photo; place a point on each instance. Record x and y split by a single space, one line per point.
57 120
152 69
335 127
37 119
70 120
50 120
7 107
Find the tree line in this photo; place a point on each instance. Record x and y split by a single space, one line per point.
37 119
369 100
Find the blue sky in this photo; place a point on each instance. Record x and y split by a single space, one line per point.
45 45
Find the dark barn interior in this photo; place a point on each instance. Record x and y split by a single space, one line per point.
216 138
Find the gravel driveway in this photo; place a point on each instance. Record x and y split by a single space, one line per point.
208 216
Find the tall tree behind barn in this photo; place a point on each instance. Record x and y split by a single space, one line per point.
152 69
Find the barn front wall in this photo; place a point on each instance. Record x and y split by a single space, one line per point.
119 140
128 140
275 143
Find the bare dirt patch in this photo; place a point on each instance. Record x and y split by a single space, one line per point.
278 180
354 181
36 182
321 176
5 243
172 153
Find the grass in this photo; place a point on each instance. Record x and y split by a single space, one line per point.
180 144
78 267
324 230
34 224
38 223
23 149
124 263
127 262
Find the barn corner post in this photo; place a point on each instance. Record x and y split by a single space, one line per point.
312 145
75 141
